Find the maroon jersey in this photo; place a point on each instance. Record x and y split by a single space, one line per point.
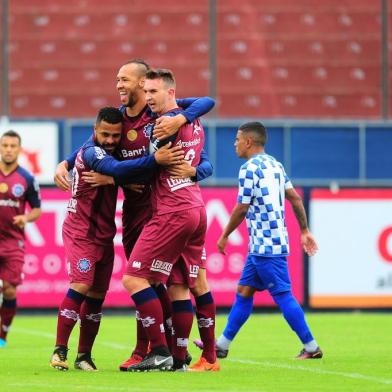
91 210
16 189
134 144
171 194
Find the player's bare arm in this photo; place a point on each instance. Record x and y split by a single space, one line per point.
61 176
21 220
168 155
166 126
237 216
308 242
97 179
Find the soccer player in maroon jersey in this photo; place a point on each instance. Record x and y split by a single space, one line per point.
17 186
88 232
176 229
138 121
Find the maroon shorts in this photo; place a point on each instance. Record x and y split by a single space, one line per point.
166 238
89 263
182 273
12 261
133 220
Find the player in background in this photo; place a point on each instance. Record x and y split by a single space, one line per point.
17 186
263 187
138 122
88 233
177 227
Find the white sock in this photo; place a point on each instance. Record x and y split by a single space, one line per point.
311 346
223 342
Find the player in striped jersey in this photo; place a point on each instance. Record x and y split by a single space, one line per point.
263 187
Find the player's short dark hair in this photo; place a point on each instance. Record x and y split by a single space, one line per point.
12 133
165 74
257 129
110 115
142 66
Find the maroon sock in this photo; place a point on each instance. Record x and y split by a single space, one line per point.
7 313
182 325
205 313
90 320
151 316
67 316
142 341
167 312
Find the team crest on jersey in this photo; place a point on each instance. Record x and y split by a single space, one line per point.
3 187
17 190
147 130
84 265
132 135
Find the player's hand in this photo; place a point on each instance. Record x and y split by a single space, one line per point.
182 170
221 244
168 155
138 188
166 126
97 179
308 242
20 221
61 178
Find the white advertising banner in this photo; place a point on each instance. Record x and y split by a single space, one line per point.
353 267
39 147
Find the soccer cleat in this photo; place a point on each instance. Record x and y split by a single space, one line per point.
153 362
3 343
220 352
85 362
132 360
59 358
310 355
202 365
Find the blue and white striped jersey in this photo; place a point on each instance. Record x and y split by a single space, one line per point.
262 185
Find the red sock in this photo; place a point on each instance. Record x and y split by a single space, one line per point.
151 316
7 313
167 312
182 325
67 316
205 313
90 320
141 338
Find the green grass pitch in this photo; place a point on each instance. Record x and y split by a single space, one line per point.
357 348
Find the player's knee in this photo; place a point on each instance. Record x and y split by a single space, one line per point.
9 290
245 291
201 287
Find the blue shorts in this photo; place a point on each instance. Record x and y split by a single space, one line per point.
266 273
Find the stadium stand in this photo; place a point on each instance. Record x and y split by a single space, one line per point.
274 57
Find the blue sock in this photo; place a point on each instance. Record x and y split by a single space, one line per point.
239 313
294 315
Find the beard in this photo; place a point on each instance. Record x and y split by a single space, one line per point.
132 99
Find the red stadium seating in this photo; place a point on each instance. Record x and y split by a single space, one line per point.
274 57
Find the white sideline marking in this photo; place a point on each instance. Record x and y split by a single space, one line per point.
356 376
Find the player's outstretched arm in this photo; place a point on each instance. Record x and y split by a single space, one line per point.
308 242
